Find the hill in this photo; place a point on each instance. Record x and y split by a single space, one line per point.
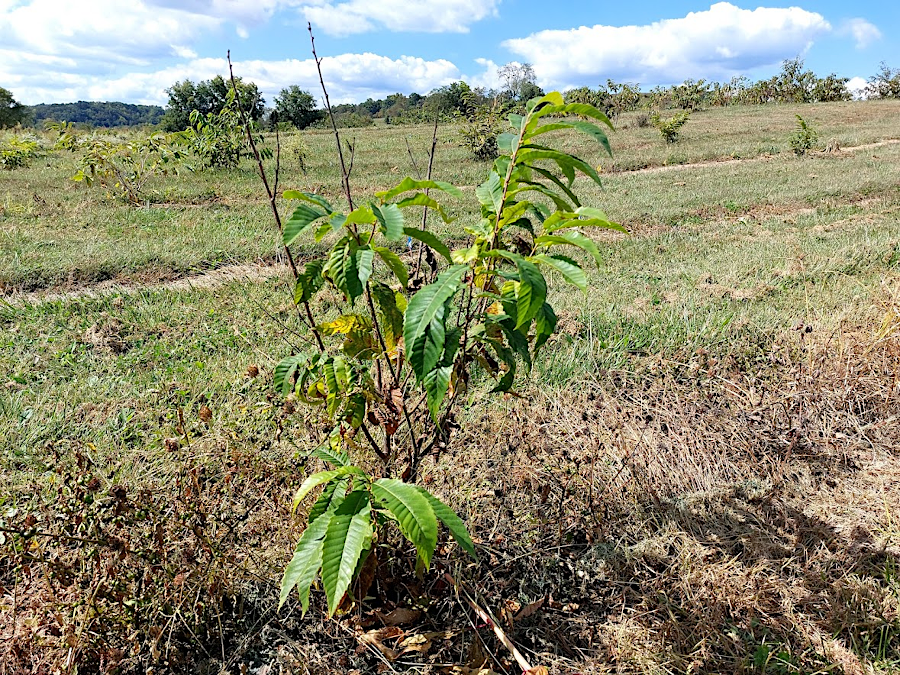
96 113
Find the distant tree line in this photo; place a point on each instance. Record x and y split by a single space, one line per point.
294 107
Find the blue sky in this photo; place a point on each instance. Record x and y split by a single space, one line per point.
131 50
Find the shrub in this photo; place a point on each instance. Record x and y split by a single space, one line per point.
804 137
126 167
669 128
17 152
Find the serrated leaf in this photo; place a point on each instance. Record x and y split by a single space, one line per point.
309 282
349 532
391 314
437 383
331 497
310 197
302 217
408 184
343 271
571 239
284 372
569 269
365 260
360 216
306 562
430 240
423 330
505 143
391 218
344 324
531 291
322 477
490 192
414 514
451 521
335 457
394 263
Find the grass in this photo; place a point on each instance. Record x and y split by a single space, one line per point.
701 477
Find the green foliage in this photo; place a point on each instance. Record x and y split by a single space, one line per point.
126 167
209 96
804 137
885 83
11 111
479 130
347 520
670 128
297 107
218 138
405 333
96 113
16 152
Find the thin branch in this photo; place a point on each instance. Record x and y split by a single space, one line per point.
345 175
272 195
427 177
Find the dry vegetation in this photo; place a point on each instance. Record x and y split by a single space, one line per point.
701 478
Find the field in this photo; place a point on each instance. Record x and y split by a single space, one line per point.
701 476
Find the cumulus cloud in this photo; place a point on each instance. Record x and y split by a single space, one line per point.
857 86
350 77
863 32
361 16
716 43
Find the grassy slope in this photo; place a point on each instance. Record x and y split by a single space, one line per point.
723 263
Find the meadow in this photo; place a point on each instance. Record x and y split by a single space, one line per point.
700 476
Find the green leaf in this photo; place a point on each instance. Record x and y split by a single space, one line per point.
490 192
414 514
532 290
506 142
365 259
567 163
360 216
309 282
570 269
327 454
322 477
307 560
394 263
451 521
284 373
349 532
423 330
331 497
342 269
408 184
310 197
544 326
391 218
430 240
571 238
302 218
437 383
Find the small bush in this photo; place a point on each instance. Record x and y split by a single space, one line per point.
669 128
804 137
479 132
642 121
16 153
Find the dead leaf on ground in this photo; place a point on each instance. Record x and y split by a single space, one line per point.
399 617
529 609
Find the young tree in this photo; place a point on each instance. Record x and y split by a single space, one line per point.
208 96
11 111
297 106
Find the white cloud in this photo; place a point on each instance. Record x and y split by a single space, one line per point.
360 16
716 43
863 32
857 86
350 78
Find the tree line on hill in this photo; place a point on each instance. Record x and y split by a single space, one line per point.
294 107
